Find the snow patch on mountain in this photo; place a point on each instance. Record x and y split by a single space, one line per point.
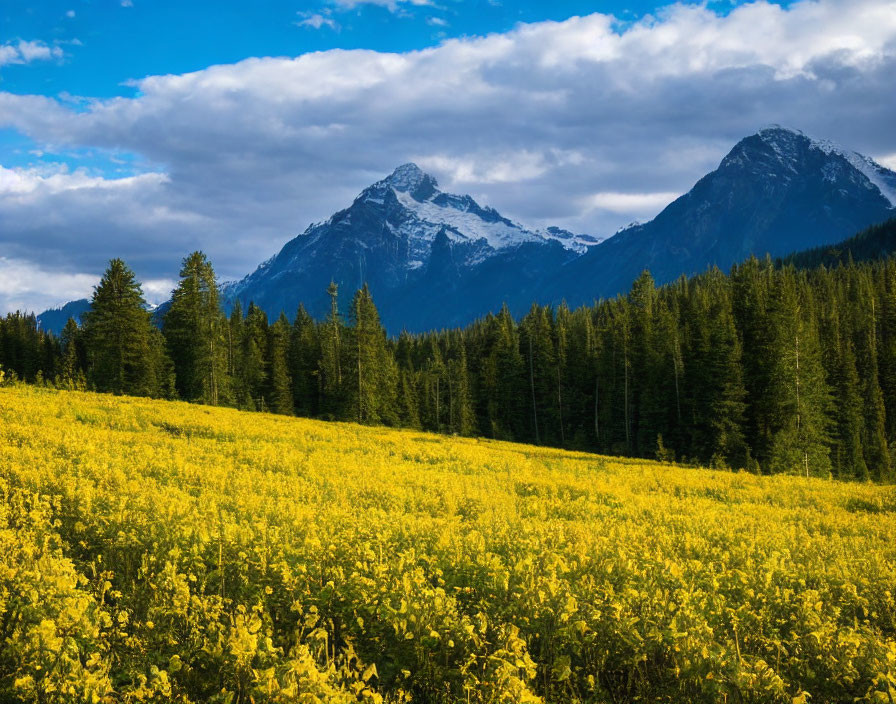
424 210
883 179
782 141
466 225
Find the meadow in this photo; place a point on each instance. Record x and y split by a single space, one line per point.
160 551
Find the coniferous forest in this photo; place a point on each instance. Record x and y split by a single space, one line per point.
769 368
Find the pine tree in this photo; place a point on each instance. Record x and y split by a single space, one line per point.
434 386
279 395
561 351
887 345
117 333
461 418
304 353
236 351
195 331
716 394
503 377
253 367
332 390
847 460
370 373
72 371
874 440
163 374
408 403
801 396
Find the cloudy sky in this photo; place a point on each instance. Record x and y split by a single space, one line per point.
148 128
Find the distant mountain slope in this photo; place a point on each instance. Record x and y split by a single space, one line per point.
54 319
422 251
877 242
776 192
435 259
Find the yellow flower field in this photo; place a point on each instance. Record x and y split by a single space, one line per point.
156 551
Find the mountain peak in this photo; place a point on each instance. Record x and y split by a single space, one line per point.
791 148
409 178
775 130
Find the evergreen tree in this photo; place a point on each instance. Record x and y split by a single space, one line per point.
715 389
503 376
237 349
801 397
304 353
280 390
887 345
434 386
372 374
408 402
254 364
847 460
866 319
72 370
461 419
117 332
195 331
332 390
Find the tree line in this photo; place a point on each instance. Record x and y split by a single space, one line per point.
769 368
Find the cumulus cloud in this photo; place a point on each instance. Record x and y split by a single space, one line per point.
26 286
587 124
24 52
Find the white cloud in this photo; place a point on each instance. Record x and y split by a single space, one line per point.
637 204
586 124
25 286
157 291
70 14
24 52
391 5
888 160
317 21
437 21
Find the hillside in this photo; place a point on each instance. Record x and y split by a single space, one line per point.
877 242
776 192
169 552
54 319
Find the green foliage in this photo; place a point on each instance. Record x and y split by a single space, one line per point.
194 329
118 333
769 369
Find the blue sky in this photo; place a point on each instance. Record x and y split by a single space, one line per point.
109 42
147 128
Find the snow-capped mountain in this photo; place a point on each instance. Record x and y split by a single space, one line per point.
776 192
434 259
401 233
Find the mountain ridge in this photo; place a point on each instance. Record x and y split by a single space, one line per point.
435 259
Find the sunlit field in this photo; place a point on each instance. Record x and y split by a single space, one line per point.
156 551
